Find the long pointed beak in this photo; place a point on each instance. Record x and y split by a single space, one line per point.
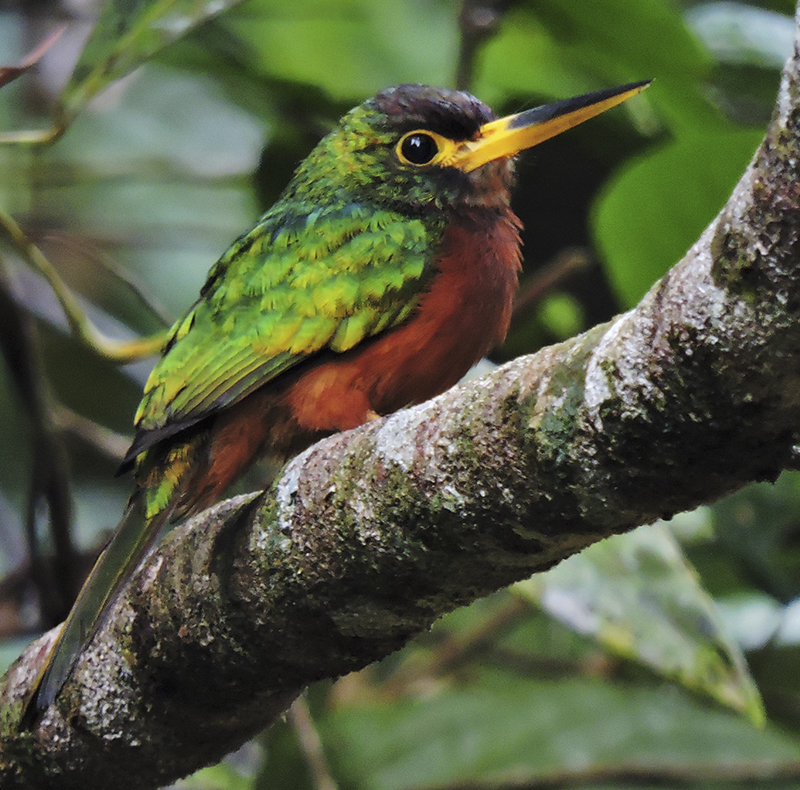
514 133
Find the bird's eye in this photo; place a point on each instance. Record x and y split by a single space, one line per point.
417 148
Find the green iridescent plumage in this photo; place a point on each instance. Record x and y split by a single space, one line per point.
299 282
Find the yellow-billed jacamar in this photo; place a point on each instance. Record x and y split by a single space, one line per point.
384 271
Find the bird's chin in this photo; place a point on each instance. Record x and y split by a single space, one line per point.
490 185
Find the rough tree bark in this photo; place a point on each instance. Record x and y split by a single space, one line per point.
371 535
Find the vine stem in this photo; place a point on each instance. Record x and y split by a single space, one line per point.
79 323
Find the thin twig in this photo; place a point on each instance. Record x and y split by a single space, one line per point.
110 443
136 286
547 277
478 21
34 136
10 73
453 652
311 744
79 323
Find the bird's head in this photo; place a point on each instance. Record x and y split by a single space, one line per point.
416 149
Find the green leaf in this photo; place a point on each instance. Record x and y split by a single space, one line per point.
638 596
562 315
517 730
756 546
740 33
351 48
657 205
554 48
128 33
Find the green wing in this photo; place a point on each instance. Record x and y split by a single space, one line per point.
296 284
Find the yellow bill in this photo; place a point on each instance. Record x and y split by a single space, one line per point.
514 133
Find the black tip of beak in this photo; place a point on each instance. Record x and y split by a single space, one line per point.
547 112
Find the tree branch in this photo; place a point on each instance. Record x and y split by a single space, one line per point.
371 535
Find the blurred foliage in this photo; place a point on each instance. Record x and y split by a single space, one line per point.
567 679
639 598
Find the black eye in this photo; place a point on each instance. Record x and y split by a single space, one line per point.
419 148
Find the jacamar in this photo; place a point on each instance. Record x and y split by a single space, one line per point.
385 270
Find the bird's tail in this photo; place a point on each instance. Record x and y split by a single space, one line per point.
132 540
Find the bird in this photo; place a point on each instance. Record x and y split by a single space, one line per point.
383 272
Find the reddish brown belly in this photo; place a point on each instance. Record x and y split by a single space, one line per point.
465 312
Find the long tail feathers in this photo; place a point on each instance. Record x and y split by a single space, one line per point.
130 543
